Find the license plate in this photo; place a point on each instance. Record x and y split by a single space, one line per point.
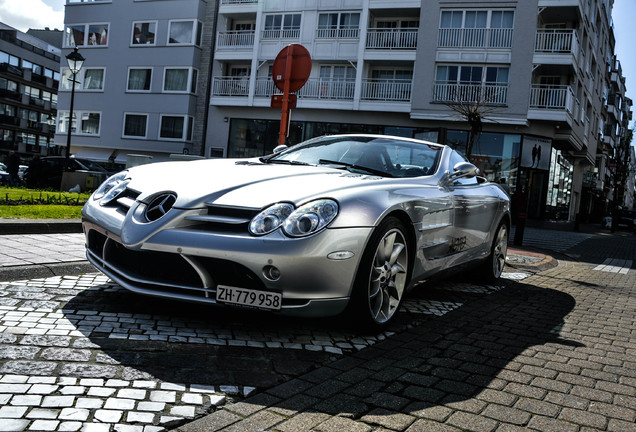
249 297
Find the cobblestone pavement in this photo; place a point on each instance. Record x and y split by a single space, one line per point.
81 353
552 352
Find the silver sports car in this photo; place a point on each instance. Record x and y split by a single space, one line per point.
334 224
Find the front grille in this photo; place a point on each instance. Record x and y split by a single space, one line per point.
224 219
165 272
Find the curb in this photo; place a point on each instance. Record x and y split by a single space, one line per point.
45 270
40 226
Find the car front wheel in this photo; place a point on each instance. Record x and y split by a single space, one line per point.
494 265
383 275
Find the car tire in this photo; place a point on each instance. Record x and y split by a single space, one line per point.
382 276
492 268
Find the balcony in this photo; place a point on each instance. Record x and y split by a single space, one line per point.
548 102
230 86
398 90
238 2
392 39
313 89
478 93
556 46
238 39
474 38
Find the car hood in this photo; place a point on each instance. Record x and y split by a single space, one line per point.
244 183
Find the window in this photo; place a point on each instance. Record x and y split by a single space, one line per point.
476 28
7 110
88 79
337 82
184 33
469 83
180 80
8 85
143 33
89 122
135 125
8 58
93 79
338 25
176 127
86 35
284 26
139 79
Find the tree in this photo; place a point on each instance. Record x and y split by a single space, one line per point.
474 103
624 168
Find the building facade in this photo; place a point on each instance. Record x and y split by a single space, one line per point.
537 71
195 76
144 76
29 79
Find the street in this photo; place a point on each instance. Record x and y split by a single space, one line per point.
546 348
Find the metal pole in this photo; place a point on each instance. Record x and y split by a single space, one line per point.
70 125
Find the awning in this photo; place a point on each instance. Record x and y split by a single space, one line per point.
94 154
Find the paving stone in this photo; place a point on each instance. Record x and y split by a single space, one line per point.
12 412
108 416
74 414
120 404
44 425
30 400
388 419
13 425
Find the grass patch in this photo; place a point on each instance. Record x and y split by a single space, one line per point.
23 203
48 211
23 196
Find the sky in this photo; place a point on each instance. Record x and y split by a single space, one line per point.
25 14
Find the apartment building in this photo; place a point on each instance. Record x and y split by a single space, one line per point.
29 78
195 76
144 80
538 72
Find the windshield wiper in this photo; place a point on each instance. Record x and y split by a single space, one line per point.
284 161
357 167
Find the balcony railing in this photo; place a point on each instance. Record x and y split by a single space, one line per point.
474 38
236 39
552 97
398 90
313 89
392 38
556 41
281 34
330 33
233 2
230 86
482 93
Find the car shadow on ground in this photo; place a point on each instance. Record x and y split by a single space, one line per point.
478 353
458 353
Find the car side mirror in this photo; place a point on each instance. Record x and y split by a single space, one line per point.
280 148
464 170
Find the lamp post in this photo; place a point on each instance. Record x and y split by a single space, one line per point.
75 62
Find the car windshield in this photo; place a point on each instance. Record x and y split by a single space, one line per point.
384 156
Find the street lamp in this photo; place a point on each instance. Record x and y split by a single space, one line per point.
75 62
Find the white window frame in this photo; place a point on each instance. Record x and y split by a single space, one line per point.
196 34
80 79
85 43
123 126
78 116
128 90
188 121
189 87
132 33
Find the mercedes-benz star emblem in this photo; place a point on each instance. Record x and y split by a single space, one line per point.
160 206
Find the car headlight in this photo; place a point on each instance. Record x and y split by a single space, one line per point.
270 219
310 218
111 188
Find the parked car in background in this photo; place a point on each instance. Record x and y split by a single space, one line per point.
4 175
337 224
627 219
52 167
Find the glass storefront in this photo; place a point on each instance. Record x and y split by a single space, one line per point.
559 186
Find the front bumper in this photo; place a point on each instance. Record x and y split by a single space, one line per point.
187 263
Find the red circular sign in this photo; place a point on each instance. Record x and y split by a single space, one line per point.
299 70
